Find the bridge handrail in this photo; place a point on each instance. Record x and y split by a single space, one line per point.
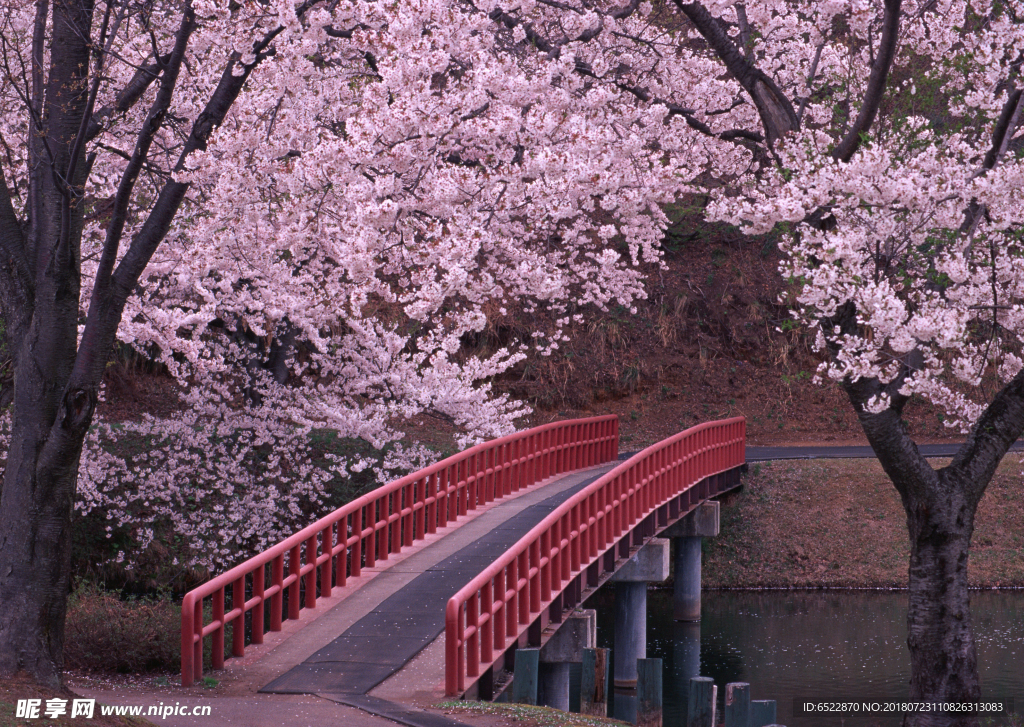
379 523
503 600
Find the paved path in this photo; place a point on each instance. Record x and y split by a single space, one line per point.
413 616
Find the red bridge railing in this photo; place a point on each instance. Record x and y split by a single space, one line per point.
500 603
370 528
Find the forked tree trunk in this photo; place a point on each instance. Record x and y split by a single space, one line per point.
50 418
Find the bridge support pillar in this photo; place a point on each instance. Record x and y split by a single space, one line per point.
686 536
647 565
576 633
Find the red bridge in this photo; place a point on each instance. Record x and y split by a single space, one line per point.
584 517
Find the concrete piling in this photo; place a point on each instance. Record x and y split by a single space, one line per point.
553 685
630 630
576 633
686 586
686 535
649 564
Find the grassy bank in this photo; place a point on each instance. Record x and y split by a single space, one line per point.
840 523
525 714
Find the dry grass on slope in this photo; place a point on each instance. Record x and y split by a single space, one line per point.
839 523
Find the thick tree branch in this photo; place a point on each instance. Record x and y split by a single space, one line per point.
1006 126
746 37
128 96
37 91
846 148
16 291
101 327
886 431
1009 119
774 108
1001 424
12 239
77 151
810 79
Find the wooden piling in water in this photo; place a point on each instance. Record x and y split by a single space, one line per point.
762 712
648 692
700 707
594 683
737 704
525 676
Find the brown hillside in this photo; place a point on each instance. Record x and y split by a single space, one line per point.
705 344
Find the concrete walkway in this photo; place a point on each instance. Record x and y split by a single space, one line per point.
406 693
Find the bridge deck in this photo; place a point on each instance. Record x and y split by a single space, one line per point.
378 629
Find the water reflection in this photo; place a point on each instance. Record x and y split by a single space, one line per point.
816 646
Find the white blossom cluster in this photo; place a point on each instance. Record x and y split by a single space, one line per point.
938 292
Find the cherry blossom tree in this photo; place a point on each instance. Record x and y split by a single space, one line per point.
904 259
300 209
904 234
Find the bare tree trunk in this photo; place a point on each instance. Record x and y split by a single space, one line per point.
944 663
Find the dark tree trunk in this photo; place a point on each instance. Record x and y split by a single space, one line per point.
940 507
944 664
49 421
35 551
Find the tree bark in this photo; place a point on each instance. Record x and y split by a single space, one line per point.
944 663
773 106
49 419
940 508
36 506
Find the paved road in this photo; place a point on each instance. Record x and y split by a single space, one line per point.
764 454
768 454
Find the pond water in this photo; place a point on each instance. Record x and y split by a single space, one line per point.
815 646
